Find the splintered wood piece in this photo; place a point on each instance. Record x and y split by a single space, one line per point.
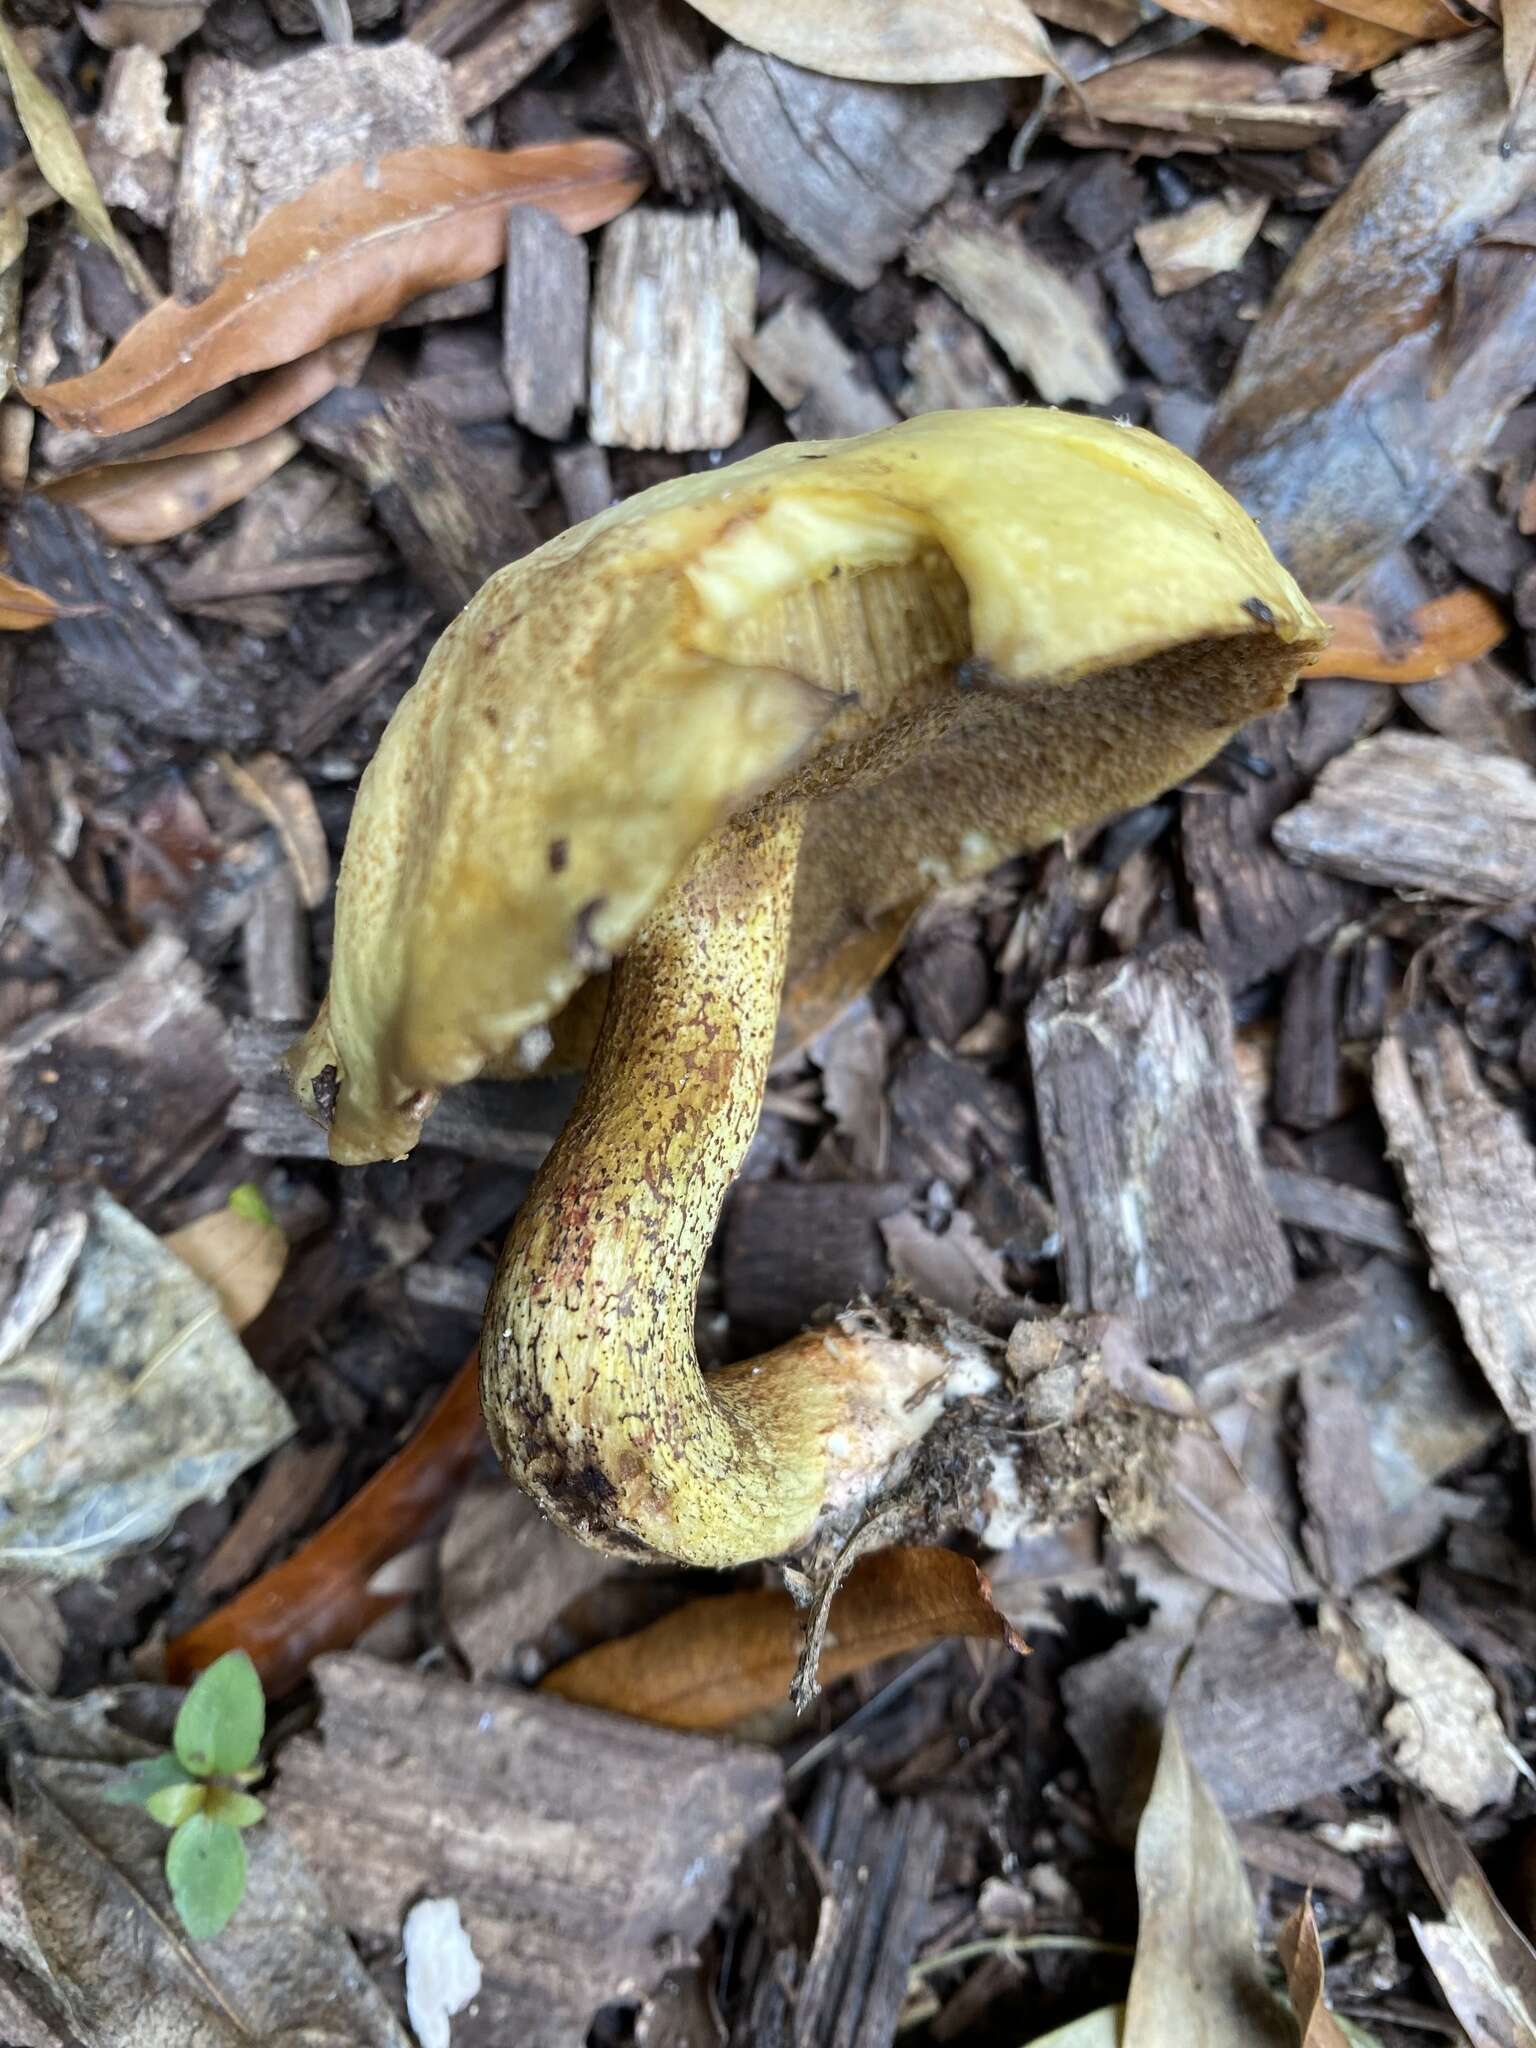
1406 810
133 1076
544 322
1152 1162
834 1966
665 52
840 171
1206 240
583 1849
506 1571
515 50
134 147
675 298
1039 318
1245 1660
449 507
821 385
950 363
1336 1209
792 1248
1470 1175
257 138
126 653
1309 1073
1255 908
584 480
276 951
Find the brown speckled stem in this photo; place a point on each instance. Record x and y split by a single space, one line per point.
593 1392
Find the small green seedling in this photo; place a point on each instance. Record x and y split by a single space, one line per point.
199 1792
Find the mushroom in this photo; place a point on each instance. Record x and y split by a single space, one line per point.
729 736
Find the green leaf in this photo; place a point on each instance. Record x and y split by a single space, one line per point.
221 1720
238 1808
205 1868
140 1781
173 1804
247 1200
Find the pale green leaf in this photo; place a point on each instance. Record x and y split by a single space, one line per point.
61 159
238 1808
248 1200
220 1724
205 1868
140 1781
173 1804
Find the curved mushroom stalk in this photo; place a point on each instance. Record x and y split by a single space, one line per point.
593 1392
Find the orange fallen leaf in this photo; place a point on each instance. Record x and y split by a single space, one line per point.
1439 636
1297 29
22 608
1301 1957
348 253
322 1598
137 502
717 1660
275 399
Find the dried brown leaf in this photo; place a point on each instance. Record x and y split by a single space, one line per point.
347 254
276 399
1208 98
893 42
1196 1979
240 1257
717 1660
59 155
1483 1963
137 502
22 608
1301 1957
1297 29
269 785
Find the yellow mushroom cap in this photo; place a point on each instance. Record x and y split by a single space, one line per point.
955 639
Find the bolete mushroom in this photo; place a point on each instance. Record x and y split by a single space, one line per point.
730 735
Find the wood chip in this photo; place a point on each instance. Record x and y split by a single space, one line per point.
674 301
124 651
839 1971
584 1850
1257 909
1407 811
1152 1162
449 506
584 481
257 138
505 1573
822 386
840 171
1244 1660
515 49
1043 322
270 786
134 148
794 1248
1335 1209
665 52
1445 1730
288 1494
950 363
1206 240
544 322
1309 1075
1469 1170
134 1076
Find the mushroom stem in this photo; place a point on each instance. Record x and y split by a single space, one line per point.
594 1396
